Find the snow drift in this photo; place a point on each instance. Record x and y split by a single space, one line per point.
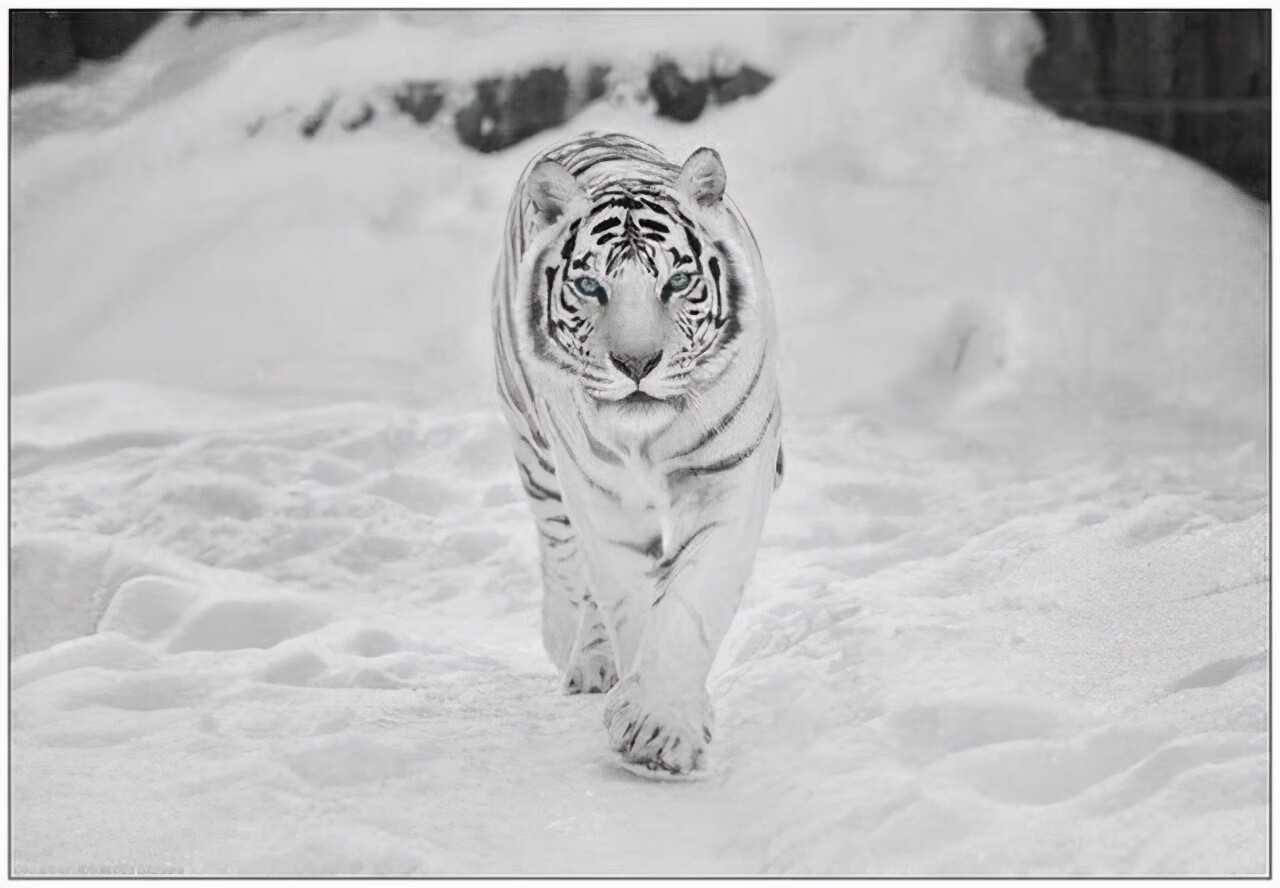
274 588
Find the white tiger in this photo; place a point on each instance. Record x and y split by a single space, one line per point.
634 347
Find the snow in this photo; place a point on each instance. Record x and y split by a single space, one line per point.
274 594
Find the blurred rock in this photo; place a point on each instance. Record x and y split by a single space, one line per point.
104 35
40 47
747 81
497 112
506 111
1196 81
595 84
420 99
313 121
48 45
198 18
361 118
677 96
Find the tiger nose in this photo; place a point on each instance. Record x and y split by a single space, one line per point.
636 367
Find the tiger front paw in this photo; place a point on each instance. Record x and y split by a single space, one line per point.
662 733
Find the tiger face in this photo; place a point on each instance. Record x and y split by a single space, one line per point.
636 299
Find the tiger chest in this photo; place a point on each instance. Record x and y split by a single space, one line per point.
639 506
629 501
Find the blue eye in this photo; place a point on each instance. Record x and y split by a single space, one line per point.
679 282
589 287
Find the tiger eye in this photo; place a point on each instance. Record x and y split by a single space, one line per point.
589 287
676 284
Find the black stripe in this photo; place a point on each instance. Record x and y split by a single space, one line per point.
733 294
579 168
654 225
650 549
541 442
594 483
534 489
729 415
599 450
540 336
625 201
665 568
554 541
551 288
573 457
728 462
570 237
694 243
542 462
605 225
537 454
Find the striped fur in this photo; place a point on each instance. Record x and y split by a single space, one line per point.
634 353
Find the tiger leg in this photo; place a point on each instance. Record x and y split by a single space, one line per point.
573 632
659 715
591 668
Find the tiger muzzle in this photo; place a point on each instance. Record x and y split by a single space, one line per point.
636 367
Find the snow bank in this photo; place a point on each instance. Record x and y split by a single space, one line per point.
274 593
934 238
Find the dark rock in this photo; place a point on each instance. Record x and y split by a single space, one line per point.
364 117
506 111
104 35
312 123
503 111
420 99
596 83
477 122
199 17
536 102
1196 81
676 96
48 45
40 47
747 81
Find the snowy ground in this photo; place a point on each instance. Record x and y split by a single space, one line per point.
274 601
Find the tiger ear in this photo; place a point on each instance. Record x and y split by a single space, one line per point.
702 177
554 191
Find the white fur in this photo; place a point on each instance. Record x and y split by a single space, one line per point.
663 633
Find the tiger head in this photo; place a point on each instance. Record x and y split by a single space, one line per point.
637 293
